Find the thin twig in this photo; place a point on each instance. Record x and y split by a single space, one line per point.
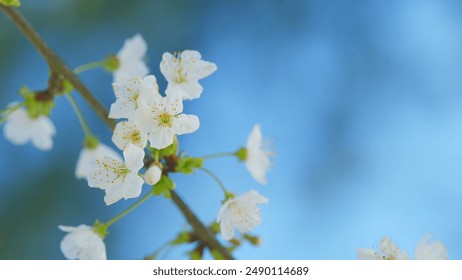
205 235
57 65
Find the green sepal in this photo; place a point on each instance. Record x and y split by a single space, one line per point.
183 237
14 3
228 196
111 63
91 142
163 187
241 154
37 104
168 151
188 164
100 229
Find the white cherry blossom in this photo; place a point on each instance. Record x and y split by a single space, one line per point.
388 251
128 132
127 92
183 72
131 59
258 155
88 157
240 212
161 118
425 250
20 128
119 179
428 250
82 243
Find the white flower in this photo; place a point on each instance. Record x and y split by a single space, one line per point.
82 243
427 250
119 179
128 132
388 251
161 118
152 175
240 212
131 59
20 128
183 71
127 92
88 157
257 159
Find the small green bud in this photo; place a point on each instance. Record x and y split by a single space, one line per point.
14 3
111 63
163 187
241 154
188 164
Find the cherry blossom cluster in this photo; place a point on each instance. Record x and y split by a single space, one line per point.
149 123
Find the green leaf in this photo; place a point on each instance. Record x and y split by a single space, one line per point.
188 164
163 187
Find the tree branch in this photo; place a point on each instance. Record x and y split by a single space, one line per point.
204 233
58 65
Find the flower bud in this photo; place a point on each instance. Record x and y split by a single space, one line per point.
152 175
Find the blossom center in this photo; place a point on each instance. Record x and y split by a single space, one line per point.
135 136
179 75
165 119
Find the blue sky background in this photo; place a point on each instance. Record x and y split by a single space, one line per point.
362 101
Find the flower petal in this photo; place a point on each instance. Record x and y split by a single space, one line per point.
134 157
161 138
185 124
131 57
87 159
428 250
105 174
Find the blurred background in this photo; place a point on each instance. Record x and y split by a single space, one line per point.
362 101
